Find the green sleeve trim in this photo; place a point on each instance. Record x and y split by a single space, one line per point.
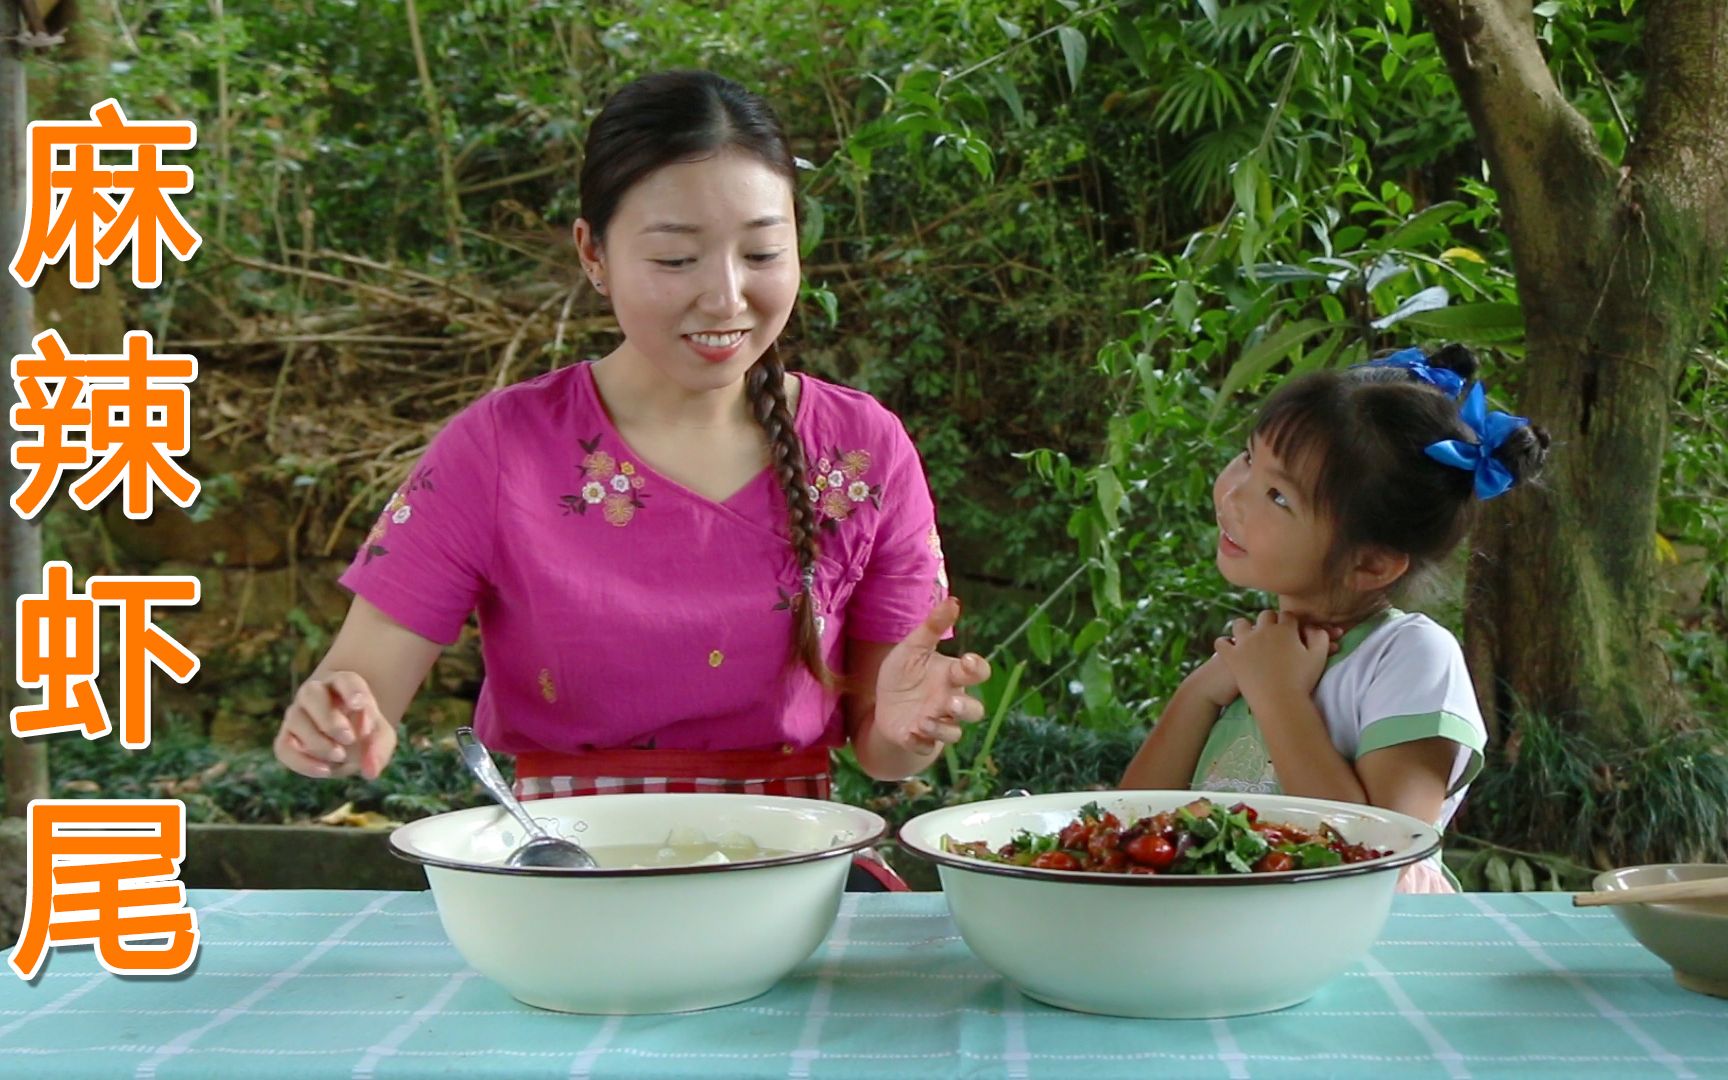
1402 729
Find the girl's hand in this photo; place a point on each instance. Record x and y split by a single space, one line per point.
1214 681
334 728
920 693
1275 654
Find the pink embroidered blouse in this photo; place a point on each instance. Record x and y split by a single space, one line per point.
618 609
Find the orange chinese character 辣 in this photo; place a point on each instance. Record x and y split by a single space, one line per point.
94 208
129 416
52 405
58 652
102 872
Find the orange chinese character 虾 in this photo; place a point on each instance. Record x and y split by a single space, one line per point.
129 415
142 643
72 203
57 637
83 855
58 652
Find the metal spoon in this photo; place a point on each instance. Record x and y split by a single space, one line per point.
540 850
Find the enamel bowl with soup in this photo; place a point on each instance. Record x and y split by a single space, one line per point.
699 900
1167 945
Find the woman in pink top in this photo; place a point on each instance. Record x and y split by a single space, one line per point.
691 570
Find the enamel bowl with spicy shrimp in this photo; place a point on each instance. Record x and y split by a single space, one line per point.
1173 904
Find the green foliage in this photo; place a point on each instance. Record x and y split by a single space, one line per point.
1481 866
1652 795
1029 753
1101 230
1694 520
219 784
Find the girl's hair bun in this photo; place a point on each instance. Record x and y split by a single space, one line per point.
1524 452
1455 358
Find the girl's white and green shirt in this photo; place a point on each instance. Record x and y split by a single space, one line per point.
1395 678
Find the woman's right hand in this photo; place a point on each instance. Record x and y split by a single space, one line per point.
335 728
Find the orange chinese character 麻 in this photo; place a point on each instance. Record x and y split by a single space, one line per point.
82 852
72 202
58 653
128 415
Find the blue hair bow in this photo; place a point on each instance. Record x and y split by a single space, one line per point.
1415 362
1492 429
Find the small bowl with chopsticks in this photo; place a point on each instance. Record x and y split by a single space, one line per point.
1679 911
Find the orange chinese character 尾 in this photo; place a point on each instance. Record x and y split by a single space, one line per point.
94 208
58 652
126 418
102 872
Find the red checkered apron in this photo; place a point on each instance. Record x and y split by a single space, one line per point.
802 774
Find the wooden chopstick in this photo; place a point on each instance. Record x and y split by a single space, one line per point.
1707 889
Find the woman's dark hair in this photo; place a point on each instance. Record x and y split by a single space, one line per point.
1361 434
676 116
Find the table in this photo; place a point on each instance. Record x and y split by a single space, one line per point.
299 984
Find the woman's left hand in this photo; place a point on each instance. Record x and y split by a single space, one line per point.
921 698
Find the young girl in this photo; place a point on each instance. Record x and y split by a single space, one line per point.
1352 482
672 550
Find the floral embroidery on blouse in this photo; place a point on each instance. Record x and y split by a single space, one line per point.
838 486
934 539
396 512
612 485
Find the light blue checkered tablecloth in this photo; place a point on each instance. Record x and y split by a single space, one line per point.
363 984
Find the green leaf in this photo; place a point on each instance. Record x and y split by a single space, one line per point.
1312 856
1003 704
1128 36
824 298
1434 296
1499 874
815 220
1315 359
1090 634
1472 324
1523 876
1259 358
1210 7
1039 637
1097 684
1112 585
1249 845
1245 184
1012 29
1110 495
1183 305
1073 52
978 155
1385 268
1010 94
1275 273
1422 228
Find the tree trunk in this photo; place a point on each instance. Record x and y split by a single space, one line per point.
1616 270
26 762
